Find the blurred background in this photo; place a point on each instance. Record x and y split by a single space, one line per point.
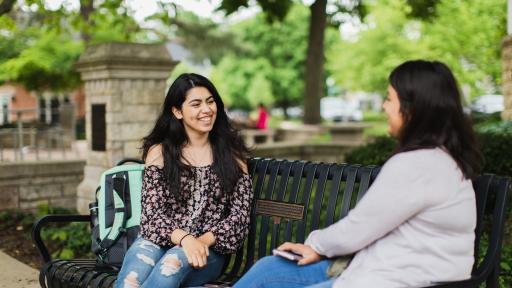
254 52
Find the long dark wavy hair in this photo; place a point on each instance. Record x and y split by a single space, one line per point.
430 103
227 146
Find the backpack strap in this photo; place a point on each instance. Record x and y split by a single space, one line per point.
119 191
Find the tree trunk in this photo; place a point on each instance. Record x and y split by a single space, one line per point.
315 63
86 8
6 6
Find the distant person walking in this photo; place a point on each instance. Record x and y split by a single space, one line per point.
262 122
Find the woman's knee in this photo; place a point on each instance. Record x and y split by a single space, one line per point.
171 264
267 264
169 271
139 261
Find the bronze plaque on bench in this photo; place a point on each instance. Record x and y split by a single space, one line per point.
280 209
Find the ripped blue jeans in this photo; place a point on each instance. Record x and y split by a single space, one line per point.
149 265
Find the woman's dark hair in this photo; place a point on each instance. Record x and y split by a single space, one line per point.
430 105
227 146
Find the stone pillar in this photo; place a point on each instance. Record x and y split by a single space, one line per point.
125 88
506 53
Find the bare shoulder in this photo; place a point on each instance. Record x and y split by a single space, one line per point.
155 156
243 165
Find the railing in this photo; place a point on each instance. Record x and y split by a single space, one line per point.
39 142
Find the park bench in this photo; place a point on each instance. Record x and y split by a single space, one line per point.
291 199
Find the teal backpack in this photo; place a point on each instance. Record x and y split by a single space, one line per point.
116 213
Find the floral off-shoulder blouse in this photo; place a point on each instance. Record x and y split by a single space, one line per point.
198 210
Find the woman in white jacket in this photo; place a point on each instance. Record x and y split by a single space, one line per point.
415 225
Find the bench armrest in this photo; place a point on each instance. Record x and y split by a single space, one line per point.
36 230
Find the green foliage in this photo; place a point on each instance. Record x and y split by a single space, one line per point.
495 142
39 46
45 65
69 241
274 56
506 266
233 78
485 119
388 39
275 10
15 218
204 38
494 138
375 153
112 27
66 241
465 34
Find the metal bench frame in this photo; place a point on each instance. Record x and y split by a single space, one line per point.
293 198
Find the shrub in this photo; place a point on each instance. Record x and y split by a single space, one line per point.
69 240
479 118
375 153
495 139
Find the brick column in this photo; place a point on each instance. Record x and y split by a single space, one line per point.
506 53
124 87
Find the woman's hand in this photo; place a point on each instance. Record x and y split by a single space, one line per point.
309 255
195 250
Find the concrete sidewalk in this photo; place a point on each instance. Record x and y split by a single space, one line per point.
14 274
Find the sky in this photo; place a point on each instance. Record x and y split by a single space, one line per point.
203 8
144 8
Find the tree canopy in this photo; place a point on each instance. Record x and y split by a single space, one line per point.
466 35
264 58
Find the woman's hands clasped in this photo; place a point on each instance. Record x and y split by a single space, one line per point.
309 255
196 251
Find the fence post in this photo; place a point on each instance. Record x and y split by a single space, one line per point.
20 134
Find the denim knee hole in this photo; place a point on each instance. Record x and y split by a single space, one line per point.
171 264
131 280
146 259
145 244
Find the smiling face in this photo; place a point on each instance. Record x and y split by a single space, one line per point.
392 108
198 112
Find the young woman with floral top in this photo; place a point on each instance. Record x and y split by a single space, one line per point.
196 194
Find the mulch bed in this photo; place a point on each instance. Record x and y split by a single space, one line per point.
15 240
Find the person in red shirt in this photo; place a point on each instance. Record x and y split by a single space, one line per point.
262 117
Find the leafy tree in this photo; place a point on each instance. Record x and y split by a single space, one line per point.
467 35
45 65
39 47
387 39
202 37
6 6
463 34
320 18
275 53
314 77
234 77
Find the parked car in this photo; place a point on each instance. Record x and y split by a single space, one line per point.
488 104
337 109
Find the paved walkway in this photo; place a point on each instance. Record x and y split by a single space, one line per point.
14 274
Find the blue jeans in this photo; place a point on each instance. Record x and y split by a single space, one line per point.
277 272
148 265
